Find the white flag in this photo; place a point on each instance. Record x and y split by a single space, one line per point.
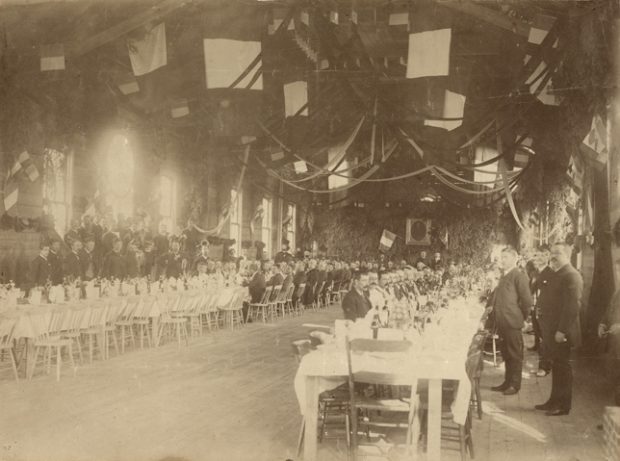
429 53
295 97
453 107
150 52
226 60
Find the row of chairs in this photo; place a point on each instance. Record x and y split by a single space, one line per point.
350 407
278 302
119 324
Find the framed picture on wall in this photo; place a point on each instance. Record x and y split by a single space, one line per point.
418 232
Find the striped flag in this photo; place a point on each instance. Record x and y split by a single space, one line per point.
387 240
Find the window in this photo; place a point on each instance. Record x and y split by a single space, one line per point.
120 172
57 187
266 230
167 201
289 226
236 208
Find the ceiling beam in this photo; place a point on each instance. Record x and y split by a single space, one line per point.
82 46
489 16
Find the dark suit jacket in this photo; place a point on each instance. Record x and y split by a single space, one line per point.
298 279
131 265
513 299
87 259
355 305
73 267
39 271
562 304
257 287
56 270
276 279
170 265
311 280
114 266
288 281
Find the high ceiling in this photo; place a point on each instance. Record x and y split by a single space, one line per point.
354 72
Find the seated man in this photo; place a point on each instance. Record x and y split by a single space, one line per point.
355 304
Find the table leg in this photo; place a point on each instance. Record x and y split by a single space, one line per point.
311 418
434 420
155 330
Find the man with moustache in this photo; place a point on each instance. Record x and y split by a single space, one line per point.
355 303
511 305
559 316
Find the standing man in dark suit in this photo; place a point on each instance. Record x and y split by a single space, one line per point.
56 263
87 258
355 304
560 324
73 268
171 263
257 285
512 304
40 268
114 266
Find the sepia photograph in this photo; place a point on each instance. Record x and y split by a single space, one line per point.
309 230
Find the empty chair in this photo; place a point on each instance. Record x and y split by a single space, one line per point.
272 312
6 344
52 343
233 311
125 322
95 331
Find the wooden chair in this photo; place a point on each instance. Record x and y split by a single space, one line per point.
367 405
96 328
298 305
51 342
172 323
260 308
113 312
125 322
333 405
474 366
272 311
335 296
209 312
317 304
7 345
72 329
233 311
142 321
287 307
280 307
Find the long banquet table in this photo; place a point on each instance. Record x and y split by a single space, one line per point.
436 355
33 321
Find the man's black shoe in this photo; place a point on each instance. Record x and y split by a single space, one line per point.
511 391
501 388
544 406
557 412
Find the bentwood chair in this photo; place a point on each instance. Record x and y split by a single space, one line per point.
125 322
287 307
6 344
259 309
374 408
96 330
72 329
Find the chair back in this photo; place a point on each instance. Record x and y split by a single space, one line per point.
275 292
474 363
300 291
282 295
318 290
289 293
357 347
6 331
266 295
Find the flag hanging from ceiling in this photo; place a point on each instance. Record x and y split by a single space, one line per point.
32 172
594 145
179 108
296 98
148 53
387 240
19 163
429 53
300 167
540 28
399 18
52 57
486 175
232 47
453 107
576 173
128 85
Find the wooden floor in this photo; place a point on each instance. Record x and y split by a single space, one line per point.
229 396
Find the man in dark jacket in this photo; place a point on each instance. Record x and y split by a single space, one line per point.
114 265
88 262
560 323
73 269
512 304
257 286
171 263
40 268
56 263
355 304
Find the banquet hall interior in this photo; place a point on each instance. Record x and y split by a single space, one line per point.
309 230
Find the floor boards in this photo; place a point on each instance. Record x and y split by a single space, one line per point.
229 396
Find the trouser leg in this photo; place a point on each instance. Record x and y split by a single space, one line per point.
562 377
513 355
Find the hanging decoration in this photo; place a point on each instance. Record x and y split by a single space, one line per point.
148 53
